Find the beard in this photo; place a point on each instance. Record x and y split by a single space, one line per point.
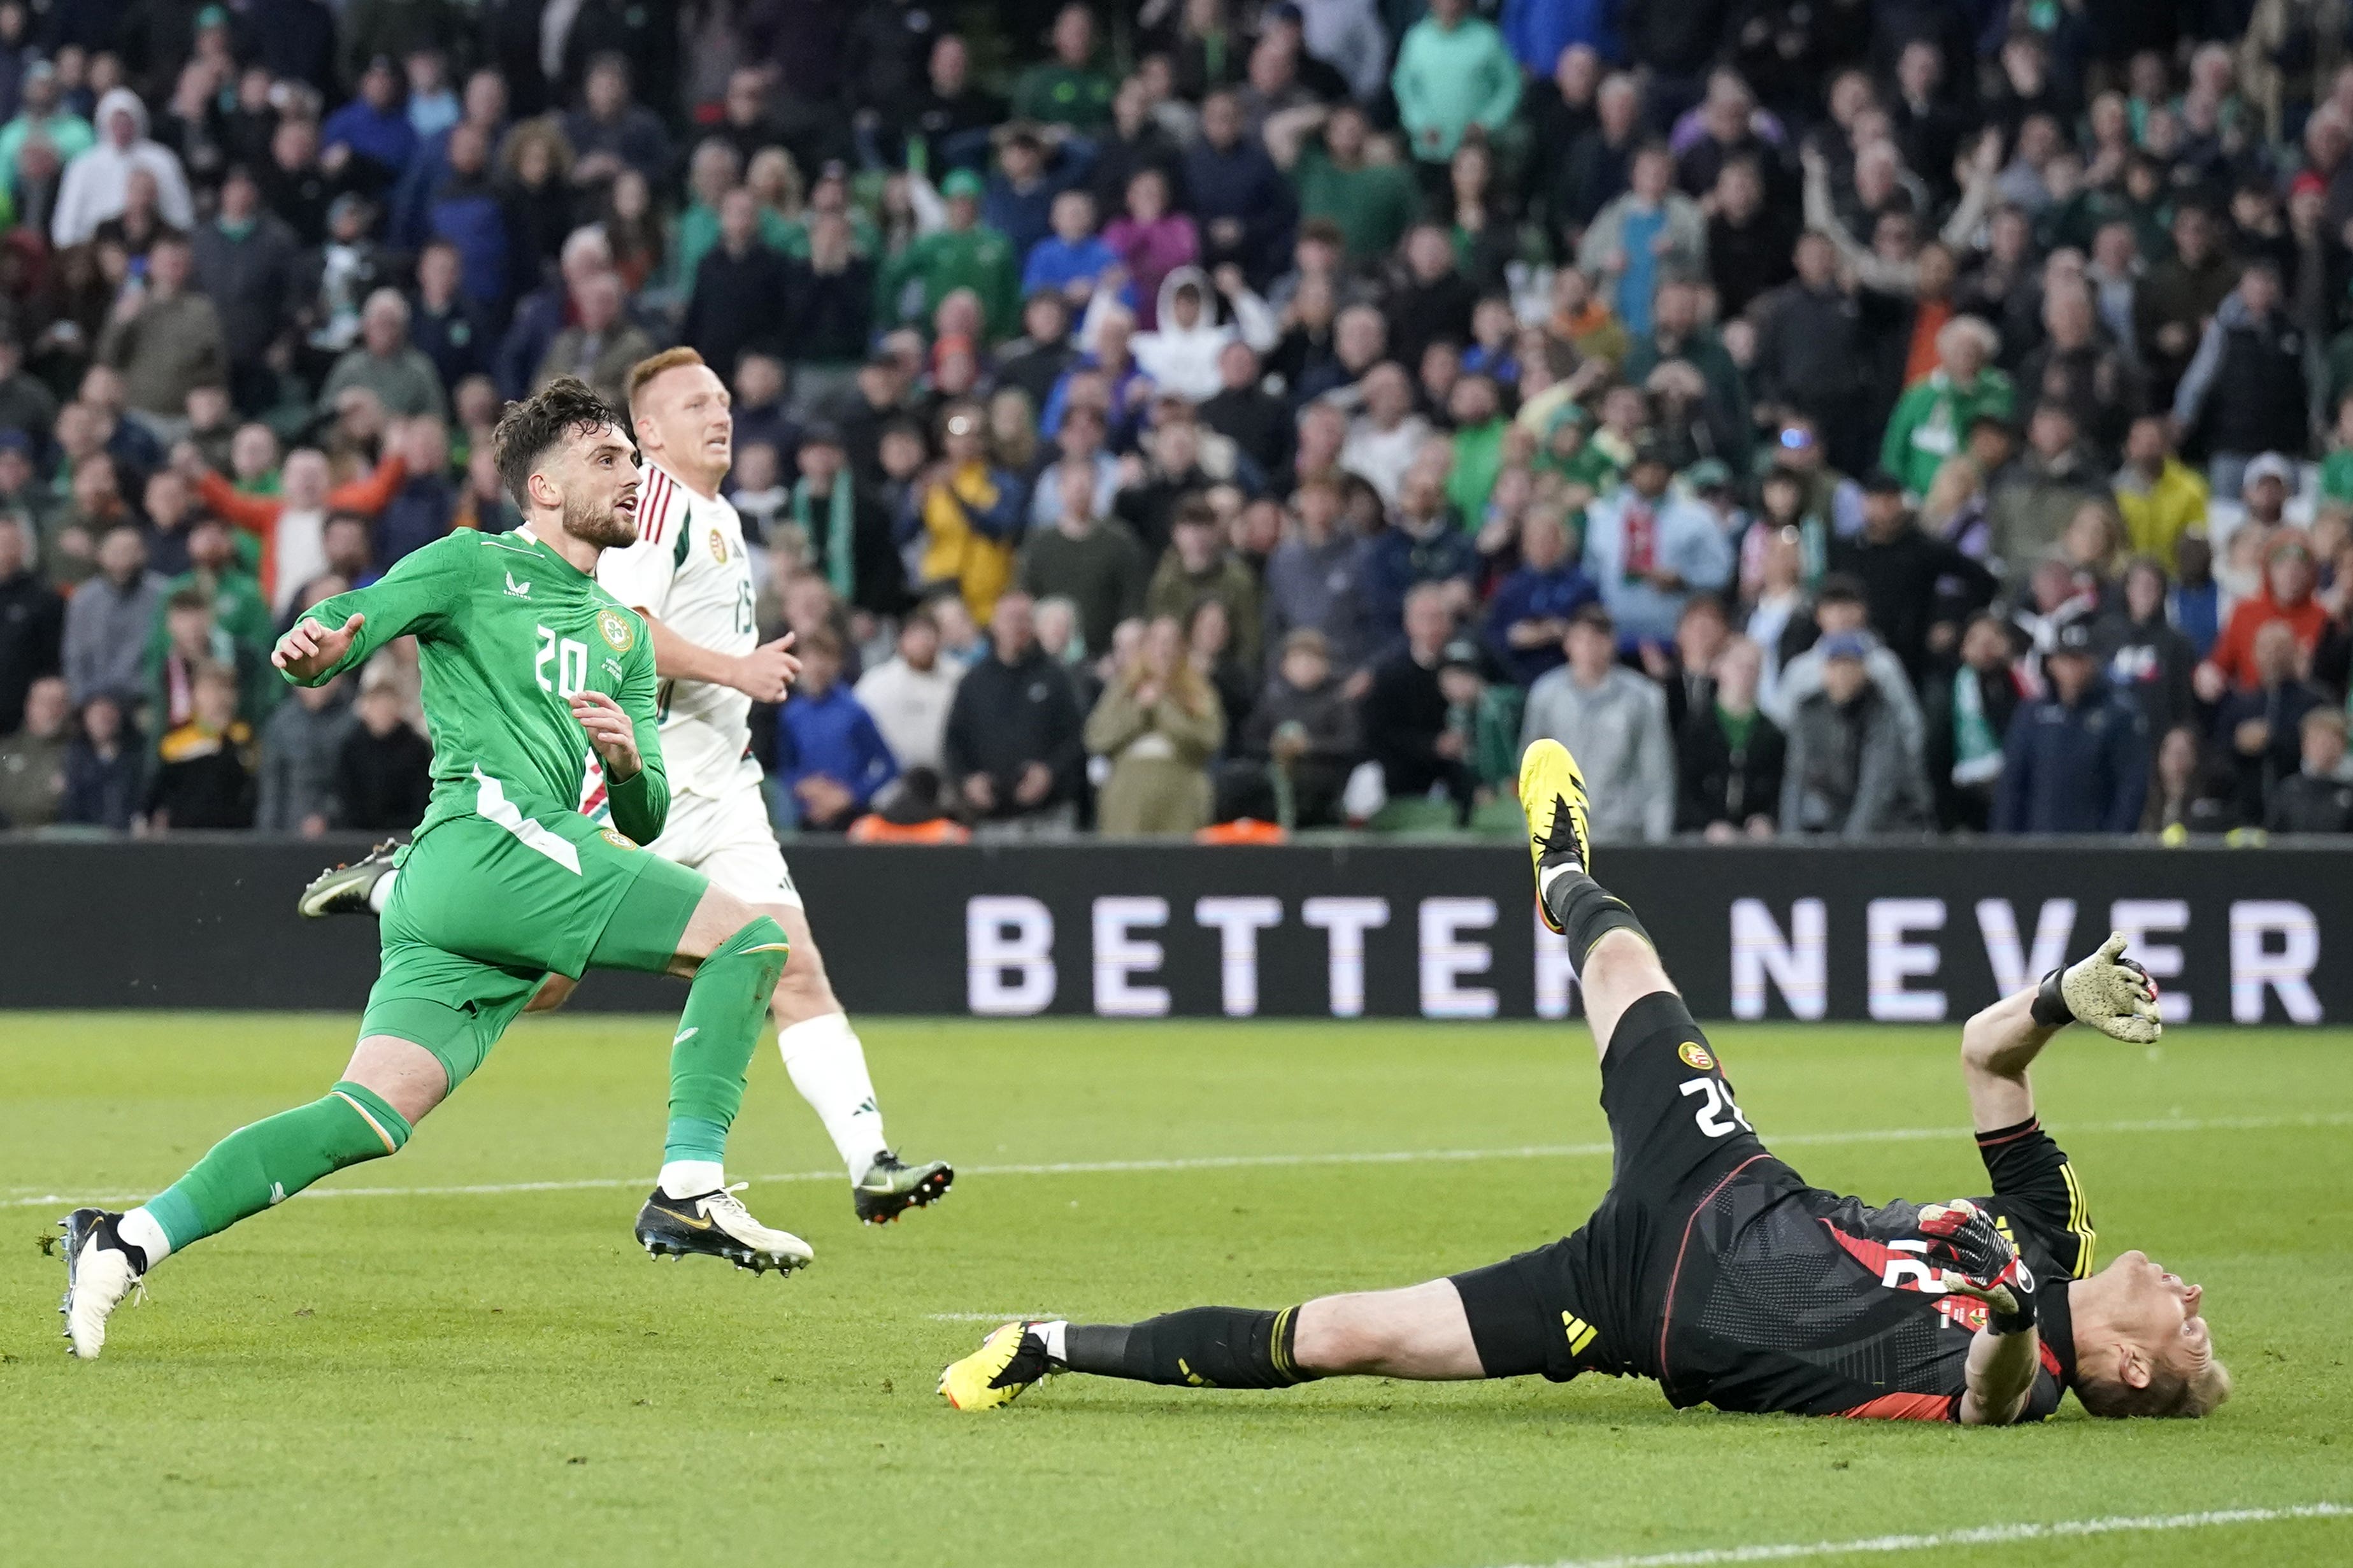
605 524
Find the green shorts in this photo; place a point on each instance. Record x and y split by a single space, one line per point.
482 914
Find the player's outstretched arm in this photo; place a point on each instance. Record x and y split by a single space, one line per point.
339 633
2106 990
1998 1045
309 653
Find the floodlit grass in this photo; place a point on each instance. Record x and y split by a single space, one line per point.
462 1377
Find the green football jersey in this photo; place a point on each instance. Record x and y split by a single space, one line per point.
507 630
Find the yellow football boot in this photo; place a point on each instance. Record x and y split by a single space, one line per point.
1009 1361
1552 795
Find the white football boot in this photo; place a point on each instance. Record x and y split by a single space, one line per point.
718 1223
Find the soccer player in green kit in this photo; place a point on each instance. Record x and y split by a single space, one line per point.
528 665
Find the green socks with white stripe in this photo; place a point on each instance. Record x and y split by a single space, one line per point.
270 1161
725 1009
265 1163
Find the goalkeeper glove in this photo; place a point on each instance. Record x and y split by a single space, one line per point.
1986 1265
2108 991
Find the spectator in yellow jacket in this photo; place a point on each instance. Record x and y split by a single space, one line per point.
970 514
2159 497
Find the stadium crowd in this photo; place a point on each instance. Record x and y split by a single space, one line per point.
1826 416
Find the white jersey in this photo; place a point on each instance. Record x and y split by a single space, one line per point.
690 570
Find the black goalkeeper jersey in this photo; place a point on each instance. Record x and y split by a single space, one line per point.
1786 1297
1714 1268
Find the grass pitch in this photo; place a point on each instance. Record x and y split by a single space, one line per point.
449 1375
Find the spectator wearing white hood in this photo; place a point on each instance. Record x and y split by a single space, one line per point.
1181 354
93 186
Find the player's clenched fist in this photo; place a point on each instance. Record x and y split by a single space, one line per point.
769 671
610 732
310 650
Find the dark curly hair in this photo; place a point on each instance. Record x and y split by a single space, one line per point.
528 430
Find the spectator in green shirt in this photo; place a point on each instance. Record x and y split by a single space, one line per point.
66 132
963 255
239 612
1477 409
1067 89
2336 468
1454 71
1933 417
828 194
1374 202
715 170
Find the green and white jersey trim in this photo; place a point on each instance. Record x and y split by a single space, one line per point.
490 803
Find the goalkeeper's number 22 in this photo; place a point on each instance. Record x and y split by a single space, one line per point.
1715 1106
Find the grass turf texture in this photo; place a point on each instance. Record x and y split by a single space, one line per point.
495 1378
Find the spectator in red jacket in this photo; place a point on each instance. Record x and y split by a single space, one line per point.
2288 580
292 524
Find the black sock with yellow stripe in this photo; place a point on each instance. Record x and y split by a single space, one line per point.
1586 913
1201 1347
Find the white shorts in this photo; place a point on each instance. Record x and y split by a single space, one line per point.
728 839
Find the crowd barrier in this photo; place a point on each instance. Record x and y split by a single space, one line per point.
1899 932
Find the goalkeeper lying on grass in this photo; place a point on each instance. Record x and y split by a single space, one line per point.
1711 1265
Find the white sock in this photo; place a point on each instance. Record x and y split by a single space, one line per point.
1052 1333
692 1178
1551 874
828 1066
381 894
139 1228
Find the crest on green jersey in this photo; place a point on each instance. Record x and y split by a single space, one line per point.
616 629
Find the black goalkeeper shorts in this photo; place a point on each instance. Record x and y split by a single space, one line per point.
1594 1301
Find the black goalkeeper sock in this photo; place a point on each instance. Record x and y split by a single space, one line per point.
1201 1347
1586 913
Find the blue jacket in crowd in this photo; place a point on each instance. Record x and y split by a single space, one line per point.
419 512
1244 185
1537 30
538 322
383 136
467 214
1395 561
458 341
832 734
2080 769
1054 263
1025 217
1528 595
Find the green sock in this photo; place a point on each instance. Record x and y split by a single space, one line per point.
272 1160
716 1035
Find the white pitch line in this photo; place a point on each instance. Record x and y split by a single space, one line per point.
1982 1535
1263 1161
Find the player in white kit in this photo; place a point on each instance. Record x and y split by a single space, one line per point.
691 576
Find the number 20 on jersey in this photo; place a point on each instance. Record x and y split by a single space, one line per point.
570 659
